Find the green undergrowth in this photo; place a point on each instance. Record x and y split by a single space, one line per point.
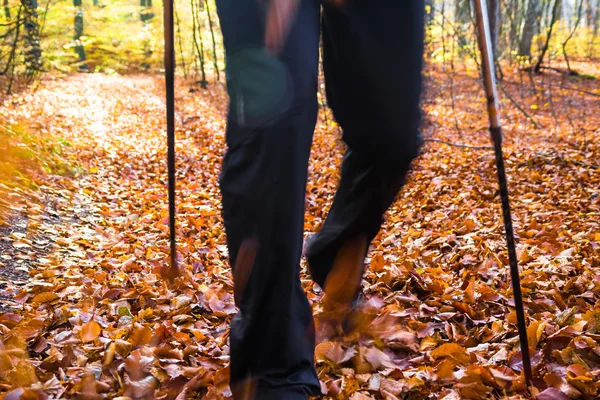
26 156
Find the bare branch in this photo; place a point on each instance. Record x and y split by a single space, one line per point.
465 146
529 117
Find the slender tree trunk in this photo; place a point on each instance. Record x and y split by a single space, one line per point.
198 42
462 11
577 20
597 19
6 9
528 28
462 17
546 8
195 46
78 33
10 65
493 16
180 42
214 42
33 51
13 49
592 18
591 12
554 18
515 19
146 13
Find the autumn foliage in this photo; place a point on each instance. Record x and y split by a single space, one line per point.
86 316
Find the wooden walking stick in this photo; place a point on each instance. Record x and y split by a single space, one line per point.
489 80
172 271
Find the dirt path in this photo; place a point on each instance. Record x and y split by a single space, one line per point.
95 320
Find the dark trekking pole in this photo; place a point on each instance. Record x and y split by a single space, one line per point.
489 79
172 271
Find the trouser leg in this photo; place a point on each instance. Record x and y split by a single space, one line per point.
372 61
271 120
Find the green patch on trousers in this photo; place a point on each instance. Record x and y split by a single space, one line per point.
258 86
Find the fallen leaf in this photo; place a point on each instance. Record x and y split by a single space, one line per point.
90 331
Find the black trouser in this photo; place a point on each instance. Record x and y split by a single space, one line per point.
372 60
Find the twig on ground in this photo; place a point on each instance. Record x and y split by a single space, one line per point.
562 71
562 87
465 146
579 90
556 155
529 117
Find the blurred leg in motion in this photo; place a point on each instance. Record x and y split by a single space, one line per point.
272 116
372 60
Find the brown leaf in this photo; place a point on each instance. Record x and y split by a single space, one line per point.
445 369
138 364
359 396
377 263
454 351
141 389
552 394
87 389
322 349
45 297
377 358
90 331
140 335
534 332
470 292
392 386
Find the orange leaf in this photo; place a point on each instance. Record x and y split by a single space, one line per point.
45 297
90 331
141 335
377 263
470 292
452 350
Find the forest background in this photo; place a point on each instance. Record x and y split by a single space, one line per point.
85 314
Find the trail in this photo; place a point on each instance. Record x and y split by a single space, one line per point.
95 320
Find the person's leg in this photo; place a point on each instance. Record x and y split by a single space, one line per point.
271 120
373 61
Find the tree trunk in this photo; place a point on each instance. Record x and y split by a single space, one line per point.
590 13
578 16
597 19
33 51
462 11
214 42
554 18
78 27
143 10
493 16
529 28
146 13
179 41
515 19
198 42
6 9
10 65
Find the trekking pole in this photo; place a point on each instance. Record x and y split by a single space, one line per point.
170 89
489 79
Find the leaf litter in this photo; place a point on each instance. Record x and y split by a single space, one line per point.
95 319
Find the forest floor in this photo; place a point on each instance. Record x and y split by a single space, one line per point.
83 233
